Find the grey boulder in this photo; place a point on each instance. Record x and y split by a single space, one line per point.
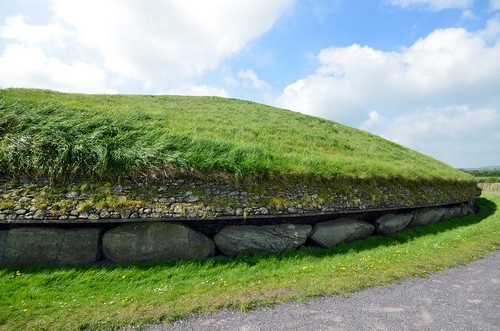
426 216
466 210
49 246
331 233
447 214
155 241
250 239
392 223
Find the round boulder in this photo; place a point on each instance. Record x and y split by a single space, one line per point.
391 223
331 233
250 239
426 216
155 241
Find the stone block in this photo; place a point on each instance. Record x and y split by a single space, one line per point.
271 239
331 233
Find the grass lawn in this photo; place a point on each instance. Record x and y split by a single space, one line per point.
57 135
97 298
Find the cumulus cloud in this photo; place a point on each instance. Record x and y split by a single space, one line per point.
375 120
449 66
158 44
197 90
250 78
17 29
164 41
457 135
434 5
29 66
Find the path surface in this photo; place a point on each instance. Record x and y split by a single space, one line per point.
464 298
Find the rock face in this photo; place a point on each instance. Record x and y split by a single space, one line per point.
155 241
49 246
249 239
331 233
391 223
466 210
426 216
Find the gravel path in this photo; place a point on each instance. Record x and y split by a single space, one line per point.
464 298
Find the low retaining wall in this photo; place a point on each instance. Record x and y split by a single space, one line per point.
152 240
182 199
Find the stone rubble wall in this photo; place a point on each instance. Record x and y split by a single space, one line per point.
182 199
22 245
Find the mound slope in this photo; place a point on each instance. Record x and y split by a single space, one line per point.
46 133
74 138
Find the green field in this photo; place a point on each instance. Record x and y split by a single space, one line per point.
110 297
46 134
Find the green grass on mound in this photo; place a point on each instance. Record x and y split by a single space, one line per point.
103 298
55 135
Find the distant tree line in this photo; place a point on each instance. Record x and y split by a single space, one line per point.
484 173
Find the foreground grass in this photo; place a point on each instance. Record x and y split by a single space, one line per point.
57 135
96 298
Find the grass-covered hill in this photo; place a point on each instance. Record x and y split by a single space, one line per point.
45 134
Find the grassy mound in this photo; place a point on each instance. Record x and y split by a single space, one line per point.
45 134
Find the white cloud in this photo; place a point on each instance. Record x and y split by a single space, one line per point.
167 41
249 76
450 66
156 44
375 120
434 5
495 4
457 135
17 29
29 66
197 90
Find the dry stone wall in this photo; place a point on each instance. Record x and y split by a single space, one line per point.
180 199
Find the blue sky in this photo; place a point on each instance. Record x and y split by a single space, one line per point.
422 73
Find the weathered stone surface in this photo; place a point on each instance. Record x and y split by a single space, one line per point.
466 210
249 239
392 223
156 241
426 216
457 212
49 246
331 233
447 214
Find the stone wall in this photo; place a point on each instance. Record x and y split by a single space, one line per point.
36 202
152 240
489 187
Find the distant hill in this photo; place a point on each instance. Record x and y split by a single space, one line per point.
61 135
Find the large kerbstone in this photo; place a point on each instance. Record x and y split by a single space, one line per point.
426 216
457 212
249 239
391 223
447 214
49 246
156 241
331 233
466 210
